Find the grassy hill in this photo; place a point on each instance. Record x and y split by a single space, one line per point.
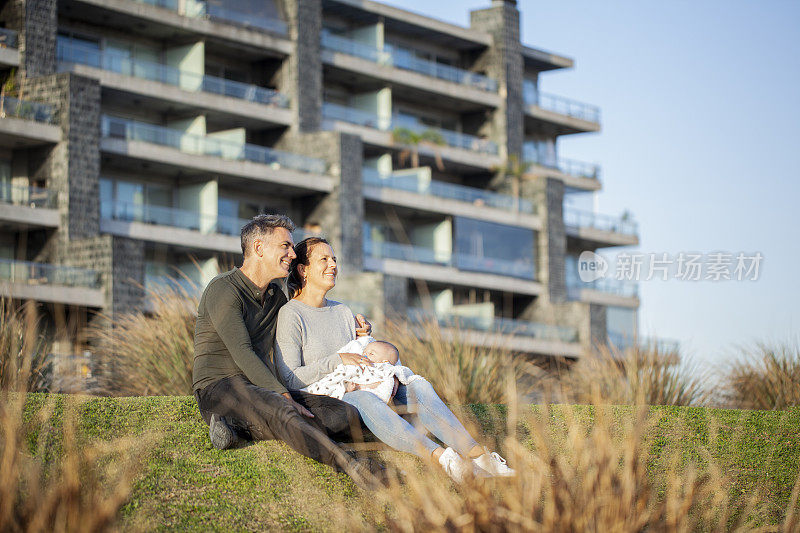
185 484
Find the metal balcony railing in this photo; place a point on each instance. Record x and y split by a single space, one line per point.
114 127
174 217
72 53
418 254
573 167
365 118
44 274
663 346
581 219
8 38
532 96
28 196
472 195
608 285
13 107
406 59
198 9
505 326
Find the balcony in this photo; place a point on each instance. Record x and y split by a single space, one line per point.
9 54
599 229
418 254
504 332
605 291
575 174
50 283
28 207
478 200
462 148
25 124
199 9
663 346
210 154
406 59
69 54
565 114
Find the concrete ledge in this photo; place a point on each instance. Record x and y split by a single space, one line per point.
203 100
409 78
541 60
451 275
9 57
438 204
415 19
205 163
384 139
570 180
16 132
171 235
605 298
248 38
80 296
568 124
30 216
516 343
602 237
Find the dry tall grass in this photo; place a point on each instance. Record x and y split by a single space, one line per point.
575 476
50 480
640 375
23 349
150 353
765 377
461 373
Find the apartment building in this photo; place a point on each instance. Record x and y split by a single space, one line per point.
138 136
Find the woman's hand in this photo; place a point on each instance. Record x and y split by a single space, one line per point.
354 359
363 327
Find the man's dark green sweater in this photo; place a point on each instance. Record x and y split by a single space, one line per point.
235 332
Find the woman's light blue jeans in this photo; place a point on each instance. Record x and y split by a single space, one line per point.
421 400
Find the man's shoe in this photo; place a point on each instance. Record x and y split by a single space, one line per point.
492 464
221 434
454 465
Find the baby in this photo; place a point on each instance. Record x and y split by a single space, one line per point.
379 379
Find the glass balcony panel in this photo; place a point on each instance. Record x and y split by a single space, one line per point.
175 217
406 59
8 38
44 274
10 106
122 64
28 196
212 10
350 114
559 104
580 219
114 127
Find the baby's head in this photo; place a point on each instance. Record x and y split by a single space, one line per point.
382 352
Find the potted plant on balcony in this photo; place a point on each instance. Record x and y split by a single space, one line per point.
413 140
512 168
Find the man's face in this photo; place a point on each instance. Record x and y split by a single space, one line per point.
278 252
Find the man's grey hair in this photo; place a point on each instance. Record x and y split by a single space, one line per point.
262 226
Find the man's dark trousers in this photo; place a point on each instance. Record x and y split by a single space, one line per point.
266 415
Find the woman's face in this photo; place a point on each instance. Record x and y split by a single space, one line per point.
321 269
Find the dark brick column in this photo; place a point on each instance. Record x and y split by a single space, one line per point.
503 62
36 22
548 195
301 74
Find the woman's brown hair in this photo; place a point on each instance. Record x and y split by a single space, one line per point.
302 249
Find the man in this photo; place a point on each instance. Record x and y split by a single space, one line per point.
234 376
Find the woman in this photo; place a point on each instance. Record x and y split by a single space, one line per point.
312 328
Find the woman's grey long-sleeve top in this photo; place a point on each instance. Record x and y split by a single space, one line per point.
307 338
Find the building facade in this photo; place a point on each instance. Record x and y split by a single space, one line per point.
137 137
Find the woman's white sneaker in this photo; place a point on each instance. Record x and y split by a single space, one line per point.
454 465
493 464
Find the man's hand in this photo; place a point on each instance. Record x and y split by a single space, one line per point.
363 327
354 359
299 408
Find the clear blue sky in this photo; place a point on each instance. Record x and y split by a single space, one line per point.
700 110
